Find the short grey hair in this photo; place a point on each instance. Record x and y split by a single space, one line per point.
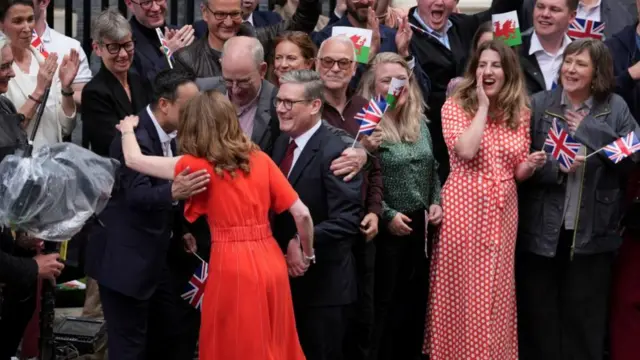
313 85
110 24
342 39
255 48
4 42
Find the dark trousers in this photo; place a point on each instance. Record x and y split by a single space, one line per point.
563 304
321 331
625 302
401 290
158 328
17 309
357 344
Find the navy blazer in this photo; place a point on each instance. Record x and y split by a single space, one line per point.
260 19
128 254
148 59
387 44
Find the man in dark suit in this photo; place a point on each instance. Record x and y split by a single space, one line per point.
543 44
323 297
128 256
250 15
147 16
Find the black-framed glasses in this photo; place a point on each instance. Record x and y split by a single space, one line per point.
114 48
222 15
288 104
327 63
147 4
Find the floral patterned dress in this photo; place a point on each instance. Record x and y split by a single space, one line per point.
472 300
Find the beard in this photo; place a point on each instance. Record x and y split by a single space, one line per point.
354 12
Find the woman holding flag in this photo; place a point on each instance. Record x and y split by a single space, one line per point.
573 207
472 300
411 200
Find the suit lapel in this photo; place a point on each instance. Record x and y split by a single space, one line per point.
147 123
263 115
120 95
308 153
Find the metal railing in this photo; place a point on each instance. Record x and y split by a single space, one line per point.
180 12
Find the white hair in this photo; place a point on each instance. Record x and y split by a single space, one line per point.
342 39
255 48
4 42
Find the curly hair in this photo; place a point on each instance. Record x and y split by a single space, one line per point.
210 129
512 98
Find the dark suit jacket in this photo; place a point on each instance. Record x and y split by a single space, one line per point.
148 59
336 208
105 103
17 268
266 127
533 77
260 19
128 254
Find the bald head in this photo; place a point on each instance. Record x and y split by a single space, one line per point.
336 63
243 48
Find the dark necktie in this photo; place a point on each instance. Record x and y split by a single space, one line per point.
287 161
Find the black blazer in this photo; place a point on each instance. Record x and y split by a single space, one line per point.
105 103
336 208
533 77
148 59
128 254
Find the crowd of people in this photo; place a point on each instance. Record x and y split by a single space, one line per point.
448 232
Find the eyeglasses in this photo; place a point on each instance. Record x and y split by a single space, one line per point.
146 5
221 15
244 83
114 48
327 63
288 104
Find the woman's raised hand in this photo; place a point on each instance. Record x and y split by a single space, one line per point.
69 69
46 72
483 99
127 124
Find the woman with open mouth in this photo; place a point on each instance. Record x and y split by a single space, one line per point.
472 300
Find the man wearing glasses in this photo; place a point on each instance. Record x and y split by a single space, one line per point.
336 65
304 152
224 21
149 59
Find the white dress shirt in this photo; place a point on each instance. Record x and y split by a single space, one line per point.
591 13
165 138
54 124
301 141
55 42
549 63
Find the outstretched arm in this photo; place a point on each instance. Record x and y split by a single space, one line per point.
155 166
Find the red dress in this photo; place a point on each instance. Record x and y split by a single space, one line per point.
247 311
472 300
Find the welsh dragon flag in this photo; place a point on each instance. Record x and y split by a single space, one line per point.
507 28
395 89
361 39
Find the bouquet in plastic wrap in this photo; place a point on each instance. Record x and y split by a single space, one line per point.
51 194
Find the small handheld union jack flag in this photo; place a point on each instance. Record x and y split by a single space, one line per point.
195 288
37 43
622 147
586 29
561 145
371 114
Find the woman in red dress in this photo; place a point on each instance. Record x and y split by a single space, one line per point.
472 300
247 312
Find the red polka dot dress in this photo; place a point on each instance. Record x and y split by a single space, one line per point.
472 301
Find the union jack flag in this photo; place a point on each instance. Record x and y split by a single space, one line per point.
37 43
195 288
622 147
561 145
371 114
583 29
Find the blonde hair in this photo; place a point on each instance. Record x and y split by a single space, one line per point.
407 125
209 129
512 98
